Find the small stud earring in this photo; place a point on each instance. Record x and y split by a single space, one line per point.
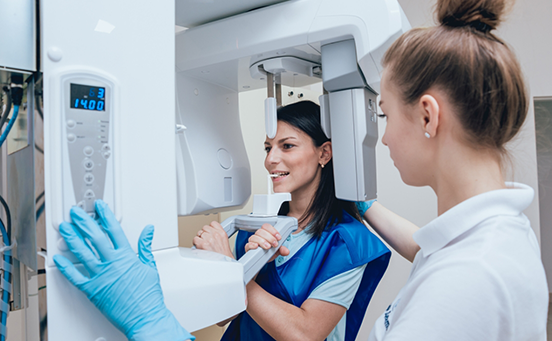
427 134
322 165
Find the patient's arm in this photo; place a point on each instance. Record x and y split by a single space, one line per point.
213 238
314 320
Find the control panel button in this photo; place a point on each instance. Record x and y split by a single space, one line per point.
89 178
81 204
88 164
62 245
106 155
89 194
106 148
88 151
71 124
92 215
71 137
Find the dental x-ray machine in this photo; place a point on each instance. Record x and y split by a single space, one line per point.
122 97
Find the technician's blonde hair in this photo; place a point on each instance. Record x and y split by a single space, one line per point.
475 69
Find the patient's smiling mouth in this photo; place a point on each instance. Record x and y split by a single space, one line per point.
276 176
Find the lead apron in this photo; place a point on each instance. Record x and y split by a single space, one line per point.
340 248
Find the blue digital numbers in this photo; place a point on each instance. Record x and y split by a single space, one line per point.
87 97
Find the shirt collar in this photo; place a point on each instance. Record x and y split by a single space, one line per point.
469 213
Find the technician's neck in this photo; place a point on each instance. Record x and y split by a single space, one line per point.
464 174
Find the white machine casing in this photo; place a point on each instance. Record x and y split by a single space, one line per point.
105 41
213 172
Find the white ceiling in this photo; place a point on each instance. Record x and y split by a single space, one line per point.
190 13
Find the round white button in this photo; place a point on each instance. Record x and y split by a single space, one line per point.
224 158
55 54
88 151
81 203
88 164
71 124
106 155
106 148
89 178
62 245
71 137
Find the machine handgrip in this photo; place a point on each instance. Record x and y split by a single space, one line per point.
254 260
229 226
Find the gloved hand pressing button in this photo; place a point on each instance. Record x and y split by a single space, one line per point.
123 286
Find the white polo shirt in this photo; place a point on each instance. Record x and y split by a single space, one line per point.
478 276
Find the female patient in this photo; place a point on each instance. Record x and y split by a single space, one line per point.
322 287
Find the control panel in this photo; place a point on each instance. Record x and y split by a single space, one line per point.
87 117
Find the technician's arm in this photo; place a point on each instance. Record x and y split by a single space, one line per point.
123 286
314 320
394 229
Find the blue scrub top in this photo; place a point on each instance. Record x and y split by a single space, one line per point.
341 248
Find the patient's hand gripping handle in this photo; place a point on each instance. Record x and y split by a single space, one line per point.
254 260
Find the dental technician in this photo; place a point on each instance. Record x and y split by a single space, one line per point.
453 96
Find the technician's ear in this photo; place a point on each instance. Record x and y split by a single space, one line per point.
430 114
325 153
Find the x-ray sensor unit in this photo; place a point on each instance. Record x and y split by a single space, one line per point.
297 43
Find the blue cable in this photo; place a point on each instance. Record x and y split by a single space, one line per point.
10 125
16 95
7 277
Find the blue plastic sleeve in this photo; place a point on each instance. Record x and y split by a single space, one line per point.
363 206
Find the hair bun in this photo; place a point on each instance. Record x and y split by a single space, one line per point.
483 15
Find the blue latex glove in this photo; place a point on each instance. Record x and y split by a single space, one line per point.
123 286
363 206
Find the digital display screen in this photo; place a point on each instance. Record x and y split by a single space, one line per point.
87 97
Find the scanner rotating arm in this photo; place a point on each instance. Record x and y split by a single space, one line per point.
254 260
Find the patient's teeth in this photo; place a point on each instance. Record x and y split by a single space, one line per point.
276 175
